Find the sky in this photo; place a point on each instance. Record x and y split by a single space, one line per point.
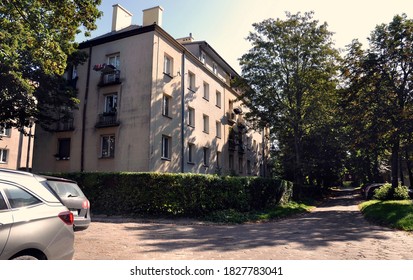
225 24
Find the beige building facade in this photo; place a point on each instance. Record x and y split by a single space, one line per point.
16 148
150 102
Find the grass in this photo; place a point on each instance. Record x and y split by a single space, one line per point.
281 211
392 213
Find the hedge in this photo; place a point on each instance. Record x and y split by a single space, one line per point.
188 195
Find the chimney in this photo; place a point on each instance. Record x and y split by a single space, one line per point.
152 15
121 18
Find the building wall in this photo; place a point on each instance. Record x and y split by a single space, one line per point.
16 146
143 125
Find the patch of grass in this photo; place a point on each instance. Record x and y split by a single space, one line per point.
232 216
392 213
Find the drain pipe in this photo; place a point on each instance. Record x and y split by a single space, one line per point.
82 149
183 113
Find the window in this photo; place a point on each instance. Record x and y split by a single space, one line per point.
231 162
206 91
191 81
215 68
203 58
167 65
111 103
63 149
3 204
240 164
191 152
108 146
218 99
206 156
206 124
19 198
4 131
218 159
166 147
191 117
249 167
166 103
218 129
3 155
114 60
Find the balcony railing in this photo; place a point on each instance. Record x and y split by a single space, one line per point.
110 78
231 117
107 120
66 125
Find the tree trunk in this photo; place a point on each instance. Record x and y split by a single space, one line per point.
395 164
409 168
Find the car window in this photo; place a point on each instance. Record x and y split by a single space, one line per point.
66 188
19 198
3 204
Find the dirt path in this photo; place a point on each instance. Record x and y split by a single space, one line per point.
333 231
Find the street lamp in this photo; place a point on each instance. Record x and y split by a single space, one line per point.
31 122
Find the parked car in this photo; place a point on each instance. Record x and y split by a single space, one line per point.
74 199
367 191
34 224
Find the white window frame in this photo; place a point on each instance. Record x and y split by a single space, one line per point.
218 97
166 147
4 155
166 105
116 58
206 152
218 129
215 68
191 81
205 119
109 151
202 58
4 132
191 152
206 91
191 116
168 65
111 108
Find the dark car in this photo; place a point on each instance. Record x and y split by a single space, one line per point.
368 190
73 198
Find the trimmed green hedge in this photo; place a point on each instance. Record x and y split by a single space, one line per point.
188 195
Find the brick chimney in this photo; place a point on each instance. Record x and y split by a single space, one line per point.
153 15
121 18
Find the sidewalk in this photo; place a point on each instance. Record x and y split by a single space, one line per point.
335 230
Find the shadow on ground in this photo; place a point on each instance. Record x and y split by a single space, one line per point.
337 220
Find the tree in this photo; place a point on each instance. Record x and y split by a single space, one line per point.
36 39
289 74
382 77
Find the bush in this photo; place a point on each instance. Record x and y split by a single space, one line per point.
385 192
188 195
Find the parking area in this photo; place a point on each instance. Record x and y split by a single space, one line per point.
334 231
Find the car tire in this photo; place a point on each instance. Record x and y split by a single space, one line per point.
26 258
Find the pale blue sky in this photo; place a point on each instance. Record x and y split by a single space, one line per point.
225 24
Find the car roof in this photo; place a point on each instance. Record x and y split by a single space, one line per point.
29 181
52 178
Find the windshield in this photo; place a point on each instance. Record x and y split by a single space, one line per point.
66 189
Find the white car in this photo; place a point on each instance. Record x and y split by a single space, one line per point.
34 224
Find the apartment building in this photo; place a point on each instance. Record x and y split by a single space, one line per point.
150 102
16 148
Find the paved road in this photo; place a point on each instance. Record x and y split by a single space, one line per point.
334 231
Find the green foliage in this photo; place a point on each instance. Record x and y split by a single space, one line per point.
289 83
385 192
396 214
189 195
37 39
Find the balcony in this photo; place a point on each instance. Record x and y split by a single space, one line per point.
66 125
231 117
111 78
107 120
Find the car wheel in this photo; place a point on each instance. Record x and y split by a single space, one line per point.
25 258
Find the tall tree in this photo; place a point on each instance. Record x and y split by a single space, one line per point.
383 75
291 71
36 39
